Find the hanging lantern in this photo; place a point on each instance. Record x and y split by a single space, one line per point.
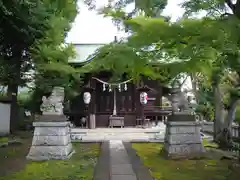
110 88
86 97
125 87
143 98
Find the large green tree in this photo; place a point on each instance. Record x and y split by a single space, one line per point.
226 13
24 25
210 42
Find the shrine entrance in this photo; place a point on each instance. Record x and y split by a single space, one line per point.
115 99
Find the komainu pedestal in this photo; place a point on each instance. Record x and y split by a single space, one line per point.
182 137
51 138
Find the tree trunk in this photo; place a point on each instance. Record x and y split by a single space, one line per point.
219 111
231 113
14 80
12 93
194 84
224 138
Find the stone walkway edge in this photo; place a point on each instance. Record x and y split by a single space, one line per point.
140 170
119 161
102 169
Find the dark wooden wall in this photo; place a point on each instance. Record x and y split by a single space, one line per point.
127 102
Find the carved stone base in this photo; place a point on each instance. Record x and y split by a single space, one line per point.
51 140
183 138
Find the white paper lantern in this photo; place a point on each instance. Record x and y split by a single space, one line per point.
125 87
87 97
143 98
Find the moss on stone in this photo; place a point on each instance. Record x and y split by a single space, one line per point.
164 169
80 166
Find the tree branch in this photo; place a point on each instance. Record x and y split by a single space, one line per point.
184 81
233 79
226 15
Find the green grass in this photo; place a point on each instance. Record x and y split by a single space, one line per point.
3 139
164 169
208 144
79 167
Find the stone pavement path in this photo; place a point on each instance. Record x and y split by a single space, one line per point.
120 166
118 161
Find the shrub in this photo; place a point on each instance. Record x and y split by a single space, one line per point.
206 110
26 124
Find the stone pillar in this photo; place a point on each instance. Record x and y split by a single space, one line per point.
183 137
92 121
51 138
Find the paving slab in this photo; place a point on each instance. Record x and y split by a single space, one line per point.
118 161
121 168
123 177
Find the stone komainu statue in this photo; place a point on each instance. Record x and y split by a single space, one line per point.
179 101
53 105
183 103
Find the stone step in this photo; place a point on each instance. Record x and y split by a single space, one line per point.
116 130
152 138
115 134
130 139
137 137
121 135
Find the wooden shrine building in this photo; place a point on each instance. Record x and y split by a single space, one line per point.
121 100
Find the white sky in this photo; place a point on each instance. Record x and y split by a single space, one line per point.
89 27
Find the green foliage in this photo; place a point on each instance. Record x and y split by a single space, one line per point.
119 58
32 37
23 98
208 45
22 23
154 49
206 110
50 53
214 8
25 125
237 116
116 10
